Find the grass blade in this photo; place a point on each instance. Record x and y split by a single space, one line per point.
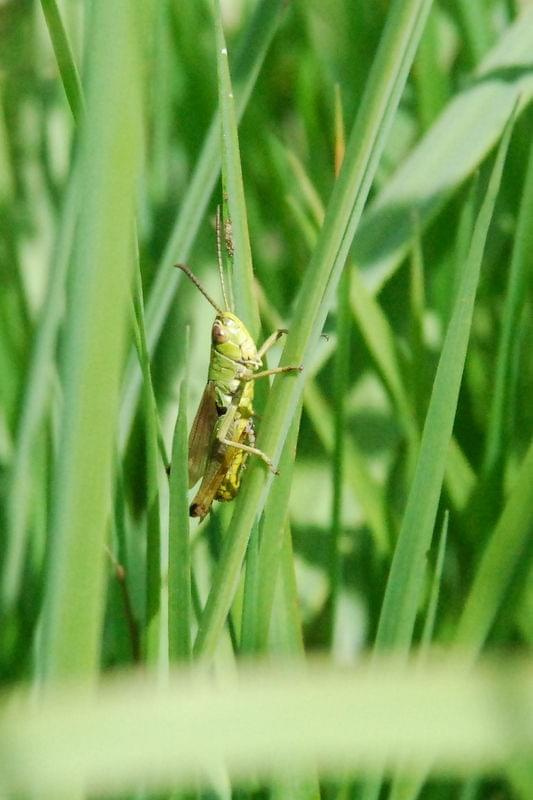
401 598
453 148
514 301
508 544
65 60
179 553
290 720
233 189
94 352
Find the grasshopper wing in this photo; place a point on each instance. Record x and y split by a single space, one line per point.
201 434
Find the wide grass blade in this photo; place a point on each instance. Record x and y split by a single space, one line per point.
385 85
95 337
289 720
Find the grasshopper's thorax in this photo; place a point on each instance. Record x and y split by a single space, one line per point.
233 354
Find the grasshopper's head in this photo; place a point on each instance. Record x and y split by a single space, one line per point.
231 339
228 334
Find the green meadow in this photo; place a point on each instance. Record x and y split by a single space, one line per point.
359 625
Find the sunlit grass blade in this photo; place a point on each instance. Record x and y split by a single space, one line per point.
290 720
251 54
385 85
452 149
179 553
95 337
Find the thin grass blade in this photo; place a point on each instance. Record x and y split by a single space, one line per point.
401 598
251 54
179 551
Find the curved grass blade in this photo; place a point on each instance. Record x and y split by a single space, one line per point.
455 145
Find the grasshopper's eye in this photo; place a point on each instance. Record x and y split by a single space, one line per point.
218 334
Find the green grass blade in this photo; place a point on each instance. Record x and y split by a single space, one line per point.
273 535
65 60
179 552
95 336
508 544
37 392
290 720
519 270
341 374
406 785
242 272
285 632
431 613
366 490
451 151
256 41
383 91
402 592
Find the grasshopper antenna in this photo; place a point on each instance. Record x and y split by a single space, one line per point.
218 226
199 286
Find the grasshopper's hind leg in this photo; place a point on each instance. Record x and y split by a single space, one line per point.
253 451
274 371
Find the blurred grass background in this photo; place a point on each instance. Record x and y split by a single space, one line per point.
107 108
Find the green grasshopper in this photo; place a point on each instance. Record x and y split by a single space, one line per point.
222 435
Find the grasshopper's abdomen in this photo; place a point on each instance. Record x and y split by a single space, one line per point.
241 431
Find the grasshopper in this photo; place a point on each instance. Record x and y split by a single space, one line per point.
223 435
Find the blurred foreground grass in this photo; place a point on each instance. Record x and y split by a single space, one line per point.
105 182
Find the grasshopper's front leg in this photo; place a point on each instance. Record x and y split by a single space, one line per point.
272 339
